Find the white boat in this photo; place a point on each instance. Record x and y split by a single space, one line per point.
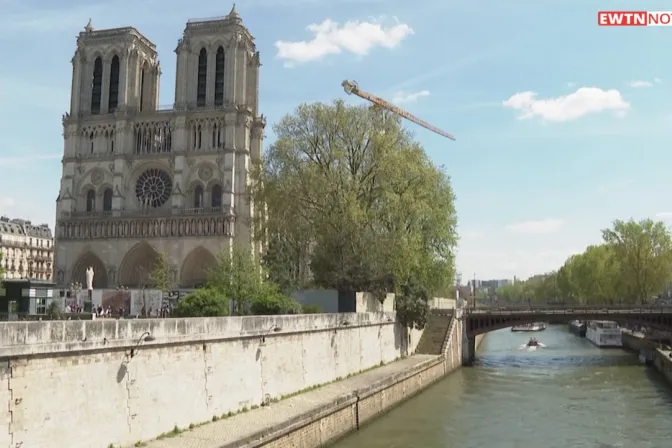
529 327
604 333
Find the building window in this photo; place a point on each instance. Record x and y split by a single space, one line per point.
114 84
142 88
219 77
198 196
202 78
107 200
90 201
97 86
216 196
40 306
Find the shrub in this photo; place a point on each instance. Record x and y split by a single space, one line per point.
204 302
311 309
273 302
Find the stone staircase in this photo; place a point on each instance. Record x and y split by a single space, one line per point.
435 334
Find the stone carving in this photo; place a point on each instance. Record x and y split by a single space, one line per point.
220 163
97 177
117 193
111 167
205 172
162 227
171 161
60 275
190 162
89 278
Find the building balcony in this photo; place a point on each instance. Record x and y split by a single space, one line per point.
11 243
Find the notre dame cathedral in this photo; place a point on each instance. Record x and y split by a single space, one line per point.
139 179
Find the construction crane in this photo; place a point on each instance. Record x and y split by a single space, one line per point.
351 87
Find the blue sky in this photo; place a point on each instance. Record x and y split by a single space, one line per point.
536 177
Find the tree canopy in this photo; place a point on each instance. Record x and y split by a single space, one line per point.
2 266
353 202
632 265
238 283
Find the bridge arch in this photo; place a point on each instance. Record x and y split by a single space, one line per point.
478 324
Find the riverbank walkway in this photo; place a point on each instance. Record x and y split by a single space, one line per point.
235 430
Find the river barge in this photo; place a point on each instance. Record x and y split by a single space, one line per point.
527 328
604 333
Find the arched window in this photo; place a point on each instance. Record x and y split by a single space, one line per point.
216 196
198 196
107 200
90 201
97 86
219 77
114 85
142 86
202 77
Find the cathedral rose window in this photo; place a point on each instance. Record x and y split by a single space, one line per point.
153 188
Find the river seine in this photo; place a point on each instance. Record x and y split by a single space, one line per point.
567 395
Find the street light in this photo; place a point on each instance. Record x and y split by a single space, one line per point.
145 337
273 329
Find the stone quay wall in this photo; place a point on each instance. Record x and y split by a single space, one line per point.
661 358
349 412
89 384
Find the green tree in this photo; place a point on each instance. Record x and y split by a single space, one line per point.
350 194
238 275
161 276
2 267
644 250
203 302
413 305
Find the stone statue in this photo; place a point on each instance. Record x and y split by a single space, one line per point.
89 278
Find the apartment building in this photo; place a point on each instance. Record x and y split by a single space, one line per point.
27 250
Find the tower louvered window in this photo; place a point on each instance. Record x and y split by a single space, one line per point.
202 78
114 85
97 86
219 77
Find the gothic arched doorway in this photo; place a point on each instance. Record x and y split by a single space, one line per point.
86 260
196 267
137 264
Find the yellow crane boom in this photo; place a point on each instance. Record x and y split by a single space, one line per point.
352 88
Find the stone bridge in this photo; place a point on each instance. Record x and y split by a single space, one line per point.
484 320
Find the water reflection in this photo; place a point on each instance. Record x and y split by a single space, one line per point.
569 394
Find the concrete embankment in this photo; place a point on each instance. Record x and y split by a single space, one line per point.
320 416
661 358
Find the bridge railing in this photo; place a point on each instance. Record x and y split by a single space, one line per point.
572 309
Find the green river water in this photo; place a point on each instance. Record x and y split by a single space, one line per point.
569 394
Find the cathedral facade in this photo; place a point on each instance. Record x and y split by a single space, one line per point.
139 179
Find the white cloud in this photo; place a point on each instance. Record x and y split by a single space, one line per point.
31 158
537 227
403 97
664 215
354 37
639 84
5 203
586 100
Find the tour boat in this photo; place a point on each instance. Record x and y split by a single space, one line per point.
578 328
529 327
604 333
